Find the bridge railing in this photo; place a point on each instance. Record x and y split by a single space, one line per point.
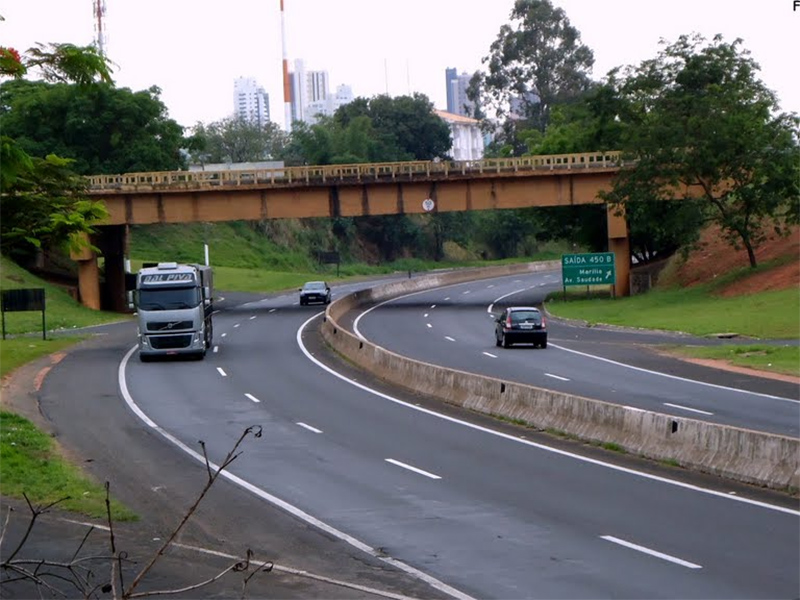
322 175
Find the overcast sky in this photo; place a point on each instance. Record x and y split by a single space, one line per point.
194 49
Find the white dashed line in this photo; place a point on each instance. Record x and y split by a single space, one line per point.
216 349
223 335
557 377
253 317
466 292
490 355
449 339
253 398
433 306
236 325
425 315
446 299
660 555
221 372
309 427
410 468
272 310
428 325
694 410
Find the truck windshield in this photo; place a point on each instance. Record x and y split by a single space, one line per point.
168 298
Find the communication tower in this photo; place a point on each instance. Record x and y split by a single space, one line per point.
100 25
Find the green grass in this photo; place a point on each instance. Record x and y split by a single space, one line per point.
780 359
32 465
16 352
766 315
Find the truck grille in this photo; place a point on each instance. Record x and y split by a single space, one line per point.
169 342
169 325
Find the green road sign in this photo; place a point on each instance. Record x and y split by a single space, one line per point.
588 269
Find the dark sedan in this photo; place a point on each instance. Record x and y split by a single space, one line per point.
315 291
520 325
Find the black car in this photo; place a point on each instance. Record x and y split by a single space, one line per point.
520 325
315 291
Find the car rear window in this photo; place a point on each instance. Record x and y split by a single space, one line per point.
526 316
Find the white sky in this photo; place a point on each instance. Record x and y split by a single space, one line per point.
194 49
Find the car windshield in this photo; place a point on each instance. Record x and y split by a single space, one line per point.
526 316
314 286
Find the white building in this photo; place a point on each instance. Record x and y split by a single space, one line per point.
467 136
250 101
311 95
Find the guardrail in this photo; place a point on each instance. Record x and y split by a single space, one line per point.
362 172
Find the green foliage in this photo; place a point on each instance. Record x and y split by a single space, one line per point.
780 359
104 129
33 466
67 63
536 61
699 116
237 140
45 206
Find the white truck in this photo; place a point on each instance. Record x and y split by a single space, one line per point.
174 304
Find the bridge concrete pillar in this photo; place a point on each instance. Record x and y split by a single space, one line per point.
88 276
113 243
619 243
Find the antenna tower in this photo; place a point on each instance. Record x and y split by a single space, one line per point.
99 25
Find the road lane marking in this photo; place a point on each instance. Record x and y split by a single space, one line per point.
539 446
253 317
490 355
224 334
410 468
446 299
272 310
275 500
425 315
433 306
496 300
309 427
236 325
675 377
221 372
253 398
661 555
449 339
557 377
466 292
216 348
428 325
695 410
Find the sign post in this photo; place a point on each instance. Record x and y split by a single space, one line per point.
23 300
588 269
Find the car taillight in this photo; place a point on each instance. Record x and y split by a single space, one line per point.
544 323
508 323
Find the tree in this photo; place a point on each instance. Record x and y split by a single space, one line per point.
236 140
43 202
103 128
700 117
536 61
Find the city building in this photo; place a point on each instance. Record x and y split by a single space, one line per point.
250 101
457 101
468 139
311 95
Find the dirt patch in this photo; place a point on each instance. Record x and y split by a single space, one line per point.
715 257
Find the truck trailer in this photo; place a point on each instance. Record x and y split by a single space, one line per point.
174 304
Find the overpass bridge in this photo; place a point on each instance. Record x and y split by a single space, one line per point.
340 191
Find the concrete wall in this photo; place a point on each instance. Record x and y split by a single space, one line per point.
740 454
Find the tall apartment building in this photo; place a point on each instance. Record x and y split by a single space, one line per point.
250 101
457 101
311 95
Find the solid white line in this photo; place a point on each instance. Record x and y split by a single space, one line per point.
274 500
675 377
557 377
410 468
309 427
585 459
253 398
496 300
448 338
660 555
221 372
86 524
702 412
490 355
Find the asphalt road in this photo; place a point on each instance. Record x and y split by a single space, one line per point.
355 481
453 327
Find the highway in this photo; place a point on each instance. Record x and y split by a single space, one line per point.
476 508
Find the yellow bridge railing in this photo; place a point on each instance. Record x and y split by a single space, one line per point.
360 172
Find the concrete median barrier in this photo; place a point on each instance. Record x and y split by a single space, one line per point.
741 454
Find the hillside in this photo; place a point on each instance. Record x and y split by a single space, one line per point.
778 260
